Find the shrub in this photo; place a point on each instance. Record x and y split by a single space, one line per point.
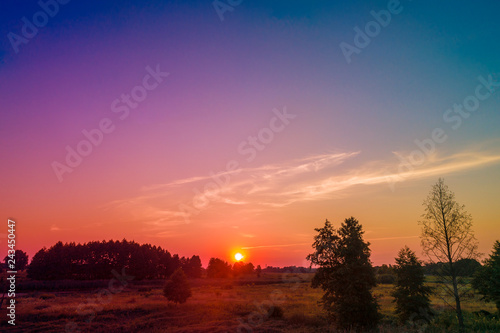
177 288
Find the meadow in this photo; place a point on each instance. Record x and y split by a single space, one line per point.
274 302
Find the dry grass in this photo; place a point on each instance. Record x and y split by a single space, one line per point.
220 306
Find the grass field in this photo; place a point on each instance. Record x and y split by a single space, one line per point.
216 306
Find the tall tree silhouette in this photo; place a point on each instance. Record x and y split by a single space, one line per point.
346 275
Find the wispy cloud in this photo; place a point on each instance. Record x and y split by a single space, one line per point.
312 178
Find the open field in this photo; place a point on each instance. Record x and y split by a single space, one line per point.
222 305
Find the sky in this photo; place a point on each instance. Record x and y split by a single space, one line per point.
216 127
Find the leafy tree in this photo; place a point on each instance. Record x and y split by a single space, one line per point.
218 268
410 293
177 288
346 275
487 278
447 237
21 259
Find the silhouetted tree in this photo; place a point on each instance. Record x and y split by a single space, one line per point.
240 268
177 287
218 268
21 260
258 270
175 263
487 278
37 268
57 262
192 267
447 237
249 268
346 275
410 293
164 264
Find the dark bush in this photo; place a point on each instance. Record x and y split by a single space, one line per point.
177 288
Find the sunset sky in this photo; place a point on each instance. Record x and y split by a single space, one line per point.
261 130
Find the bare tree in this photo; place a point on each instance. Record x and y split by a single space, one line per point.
447 237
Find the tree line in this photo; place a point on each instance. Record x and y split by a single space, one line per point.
95 260
464 268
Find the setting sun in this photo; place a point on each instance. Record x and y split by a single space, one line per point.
238 256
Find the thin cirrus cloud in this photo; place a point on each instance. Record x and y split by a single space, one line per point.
313 178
